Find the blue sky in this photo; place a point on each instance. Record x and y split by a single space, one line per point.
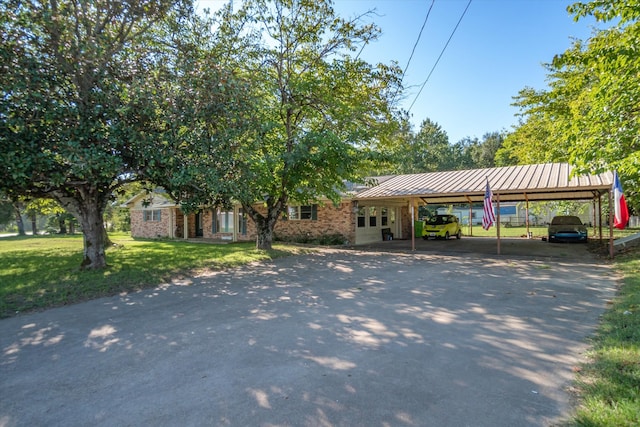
497 50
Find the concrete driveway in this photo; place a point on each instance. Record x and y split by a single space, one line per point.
336 338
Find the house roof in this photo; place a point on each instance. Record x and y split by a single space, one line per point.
158 198
549 181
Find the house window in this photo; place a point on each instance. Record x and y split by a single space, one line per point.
373 216
361 219
151 215
384 217
242 222
309 212
224 222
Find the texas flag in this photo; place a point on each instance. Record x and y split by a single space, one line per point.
619 204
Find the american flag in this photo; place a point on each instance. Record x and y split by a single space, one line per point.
489 218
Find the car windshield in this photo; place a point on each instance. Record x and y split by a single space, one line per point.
566 220
439 219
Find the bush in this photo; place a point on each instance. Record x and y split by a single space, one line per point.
333 239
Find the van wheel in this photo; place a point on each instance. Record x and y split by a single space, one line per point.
459 234
446 236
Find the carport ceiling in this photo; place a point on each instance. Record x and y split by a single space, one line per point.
549 181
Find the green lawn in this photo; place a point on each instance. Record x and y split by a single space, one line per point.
478 231
609 384
43 271
538 232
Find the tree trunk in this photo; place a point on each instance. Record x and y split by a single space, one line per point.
62 223
265 224
34 224
94 256
265 238
106 241
89 211
19 221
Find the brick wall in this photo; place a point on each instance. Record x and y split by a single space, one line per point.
150 229
331 220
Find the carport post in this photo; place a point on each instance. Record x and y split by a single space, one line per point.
595 215
526 212
600 215
470 220
412 204
498 220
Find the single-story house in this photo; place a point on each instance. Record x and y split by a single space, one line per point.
156 215
371 214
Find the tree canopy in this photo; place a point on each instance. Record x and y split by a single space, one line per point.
589 114
68 129
307 111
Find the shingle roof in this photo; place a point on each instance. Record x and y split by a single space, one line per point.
549 181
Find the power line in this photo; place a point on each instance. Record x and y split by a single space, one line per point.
441 53
416 43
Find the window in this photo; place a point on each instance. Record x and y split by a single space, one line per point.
224 222
242 222
368 217
151 215
309 212
361 218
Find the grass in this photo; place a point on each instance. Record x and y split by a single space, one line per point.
538 232
43 271
609 383
478 231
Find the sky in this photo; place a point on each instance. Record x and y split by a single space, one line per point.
498 49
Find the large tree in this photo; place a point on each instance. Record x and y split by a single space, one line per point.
589 115
316 110
67 127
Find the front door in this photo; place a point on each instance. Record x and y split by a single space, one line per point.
199 228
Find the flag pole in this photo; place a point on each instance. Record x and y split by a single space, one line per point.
498 220
611 219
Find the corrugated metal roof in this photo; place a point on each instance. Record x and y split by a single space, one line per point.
549 181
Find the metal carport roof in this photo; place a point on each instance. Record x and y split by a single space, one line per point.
549 181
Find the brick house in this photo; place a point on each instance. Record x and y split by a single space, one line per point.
157 216
366 214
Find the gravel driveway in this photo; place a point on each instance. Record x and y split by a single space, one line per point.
335 338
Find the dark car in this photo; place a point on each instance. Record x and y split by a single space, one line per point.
567 228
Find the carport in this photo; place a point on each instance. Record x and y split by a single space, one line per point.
525 183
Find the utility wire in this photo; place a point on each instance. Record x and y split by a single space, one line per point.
441 53
406 67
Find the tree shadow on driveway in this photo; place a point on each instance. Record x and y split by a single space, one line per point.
341 338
